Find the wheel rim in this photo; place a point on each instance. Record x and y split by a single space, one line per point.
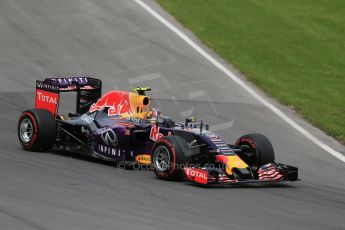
26 130
162 158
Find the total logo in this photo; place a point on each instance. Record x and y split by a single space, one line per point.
197 175
46 98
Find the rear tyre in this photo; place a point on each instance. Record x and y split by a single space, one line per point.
37 130
169 155
256 149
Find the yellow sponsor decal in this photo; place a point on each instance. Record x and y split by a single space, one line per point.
234 162
143 159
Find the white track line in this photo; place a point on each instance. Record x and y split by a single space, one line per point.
240 82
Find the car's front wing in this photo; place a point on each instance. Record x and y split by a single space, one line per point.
273 172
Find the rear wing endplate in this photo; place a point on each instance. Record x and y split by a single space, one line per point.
48 92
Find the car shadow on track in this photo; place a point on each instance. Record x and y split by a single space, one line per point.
81 157
277 185
284 185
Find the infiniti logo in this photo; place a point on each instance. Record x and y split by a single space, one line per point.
109 138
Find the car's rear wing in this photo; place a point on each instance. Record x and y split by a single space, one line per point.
48 92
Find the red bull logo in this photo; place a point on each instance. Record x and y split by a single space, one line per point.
121 102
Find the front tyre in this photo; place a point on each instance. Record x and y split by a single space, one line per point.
37 130
256 150
169 155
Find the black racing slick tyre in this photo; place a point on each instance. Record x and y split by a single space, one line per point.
169 155
256 150
37 130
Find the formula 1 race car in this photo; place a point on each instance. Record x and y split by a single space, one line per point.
121 127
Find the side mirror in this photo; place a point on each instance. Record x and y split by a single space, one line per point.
189 119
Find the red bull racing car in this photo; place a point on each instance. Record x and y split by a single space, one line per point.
121 127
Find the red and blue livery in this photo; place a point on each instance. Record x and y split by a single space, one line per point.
121 127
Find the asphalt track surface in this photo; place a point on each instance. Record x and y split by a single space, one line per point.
123 45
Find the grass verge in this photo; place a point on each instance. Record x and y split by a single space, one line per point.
294 50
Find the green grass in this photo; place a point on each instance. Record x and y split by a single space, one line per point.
293 49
